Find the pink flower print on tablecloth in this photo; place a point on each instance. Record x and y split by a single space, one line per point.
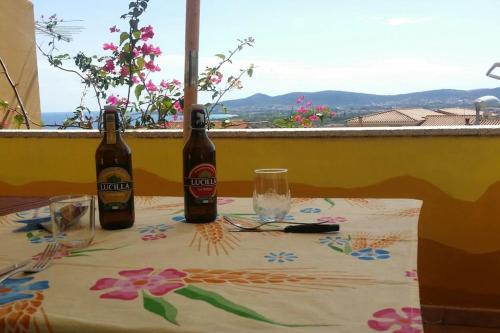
331 219
412 274
60 253
389 319
224 201
150 237
139 279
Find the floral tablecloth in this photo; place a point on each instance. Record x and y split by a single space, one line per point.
164 275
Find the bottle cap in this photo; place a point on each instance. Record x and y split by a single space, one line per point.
198 116
110 108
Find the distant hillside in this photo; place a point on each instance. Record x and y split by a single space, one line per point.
351 100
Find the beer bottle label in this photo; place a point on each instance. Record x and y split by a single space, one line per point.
114 187
202 182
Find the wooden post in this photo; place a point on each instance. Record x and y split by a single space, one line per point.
191 61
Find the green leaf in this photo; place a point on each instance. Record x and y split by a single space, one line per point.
140 63
123 37
333 247
4 103
220 55
95 250
19 120
330 201
160 307
136 34
220 302
250 71
348 248
138 90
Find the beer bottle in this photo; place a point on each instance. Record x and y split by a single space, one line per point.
113 161
200 183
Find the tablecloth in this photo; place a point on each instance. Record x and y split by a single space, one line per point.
165 275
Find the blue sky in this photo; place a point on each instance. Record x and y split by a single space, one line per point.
381 47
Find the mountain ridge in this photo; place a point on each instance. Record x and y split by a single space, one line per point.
346 99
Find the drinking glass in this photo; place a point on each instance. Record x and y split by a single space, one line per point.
271 195
73 220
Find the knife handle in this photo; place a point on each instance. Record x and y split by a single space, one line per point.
312 228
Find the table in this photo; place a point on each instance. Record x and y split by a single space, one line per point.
164 275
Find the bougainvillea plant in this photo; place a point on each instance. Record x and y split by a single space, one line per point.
305 114
129 61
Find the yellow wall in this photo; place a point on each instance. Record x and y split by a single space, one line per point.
18 50
456 177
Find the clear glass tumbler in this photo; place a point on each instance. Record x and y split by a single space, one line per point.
271 195
73 220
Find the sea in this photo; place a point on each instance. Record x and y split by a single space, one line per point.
57 118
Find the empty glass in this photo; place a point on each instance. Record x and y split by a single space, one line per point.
73 220
271 195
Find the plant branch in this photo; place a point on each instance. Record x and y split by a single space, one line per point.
18 97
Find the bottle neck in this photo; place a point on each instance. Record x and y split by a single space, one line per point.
111 127
198 132
198 119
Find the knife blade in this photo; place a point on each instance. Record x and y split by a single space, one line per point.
10 268
302 228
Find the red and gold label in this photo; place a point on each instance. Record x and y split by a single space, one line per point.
114 187
201 181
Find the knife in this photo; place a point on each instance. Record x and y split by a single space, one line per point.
302 228
10 268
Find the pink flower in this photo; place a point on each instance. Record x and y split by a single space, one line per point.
224 201
139 279
109 46
309 103
136 52
164 125
299 100
164 84
331 219
112 100
333 113
148 49
150 86
297 118
109 66
124 71
114 29
135 79
150 65
150 237
319 108
177 106
155 51
147 33
176 82
217 78
412 274
302 109
313 118
410 322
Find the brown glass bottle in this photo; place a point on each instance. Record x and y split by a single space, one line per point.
200 182
113 161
